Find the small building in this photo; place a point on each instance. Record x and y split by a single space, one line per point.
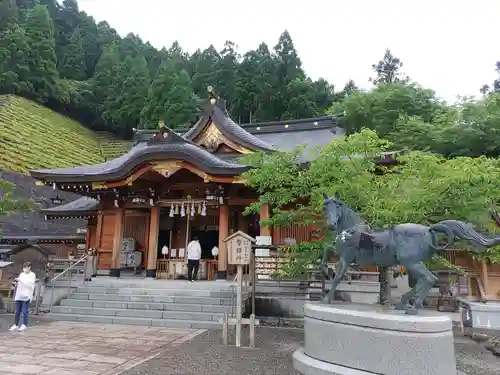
172 186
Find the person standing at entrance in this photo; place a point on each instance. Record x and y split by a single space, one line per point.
25 288
194 256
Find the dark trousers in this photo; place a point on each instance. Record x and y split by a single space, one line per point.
193 266
22 307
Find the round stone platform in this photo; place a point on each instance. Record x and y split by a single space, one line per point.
357 339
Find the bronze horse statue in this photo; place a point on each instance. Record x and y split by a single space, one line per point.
409 245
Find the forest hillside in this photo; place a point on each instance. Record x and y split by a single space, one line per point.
59 56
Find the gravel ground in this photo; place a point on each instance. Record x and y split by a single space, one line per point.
205 355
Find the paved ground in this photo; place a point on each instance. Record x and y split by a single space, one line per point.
66 348
89 349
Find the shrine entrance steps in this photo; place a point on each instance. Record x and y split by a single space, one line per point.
157 303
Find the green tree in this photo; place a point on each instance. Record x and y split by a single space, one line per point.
388 69
14 69
133 81
469 128
42 62
381 108
105 90
256 87
428 190
72 65
170 98
9 204
9 13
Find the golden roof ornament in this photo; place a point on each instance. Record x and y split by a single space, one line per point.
211 95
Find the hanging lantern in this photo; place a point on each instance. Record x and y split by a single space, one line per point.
199 208
183 211
171 210
192 209
116 203
176 212
204 210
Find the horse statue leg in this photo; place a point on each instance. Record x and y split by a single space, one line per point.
340 270
425 281
429 279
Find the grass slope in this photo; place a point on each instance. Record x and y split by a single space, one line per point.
35 137
111 147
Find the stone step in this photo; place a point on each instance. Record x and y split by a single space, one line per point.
154 292
133 313
169 323
148 298
148 306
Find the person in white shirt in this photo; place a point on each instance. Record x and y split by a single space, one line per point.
25 288
193 256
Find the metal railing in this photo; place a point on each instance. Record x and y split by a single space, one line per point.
70 277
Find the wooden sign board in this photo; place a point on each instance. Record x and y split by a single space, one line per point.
239 248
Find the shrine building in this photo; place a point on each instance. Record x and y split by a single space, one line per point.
143 207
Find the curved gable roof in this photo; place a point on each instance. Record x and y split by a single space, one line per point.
217 114
164 145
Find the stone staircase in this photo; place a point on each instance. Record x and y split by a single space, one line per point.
157 303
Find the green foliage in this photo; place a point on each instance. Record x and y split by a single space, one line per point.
427 189
50 50
14 68
41 55
8 203
381 108
169 98
469 128
72 64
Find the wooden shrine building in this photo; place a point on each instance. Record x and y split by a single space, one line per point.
172 186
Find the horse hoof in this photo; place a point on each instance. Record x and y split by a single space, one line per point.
411 311
399 306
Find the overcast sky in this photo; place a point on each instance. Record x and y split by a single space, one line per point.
450 46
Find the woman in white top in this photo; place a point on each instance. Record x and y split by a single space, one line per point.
194 256
25 288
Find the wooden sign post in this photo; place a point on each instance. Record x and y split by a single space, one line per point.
239 251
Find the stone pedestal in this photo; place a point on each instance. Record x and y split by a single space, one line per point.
356 339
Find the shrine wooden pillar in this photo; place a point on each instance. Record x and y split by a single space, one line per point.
117 243
154 227
265 213
223 233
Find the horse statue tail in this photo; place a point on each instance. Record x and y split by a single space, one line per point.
466 231
442 228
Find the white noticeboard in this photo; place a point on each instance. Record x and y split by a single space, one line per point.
173 253
264 241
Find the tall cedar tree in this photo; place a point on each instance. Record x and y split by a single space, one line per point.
14 69
104 82
72 64
9 13
170 98
134 82
42 61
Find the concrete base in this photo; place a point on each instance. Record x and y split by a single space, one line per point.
485 315
360 339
